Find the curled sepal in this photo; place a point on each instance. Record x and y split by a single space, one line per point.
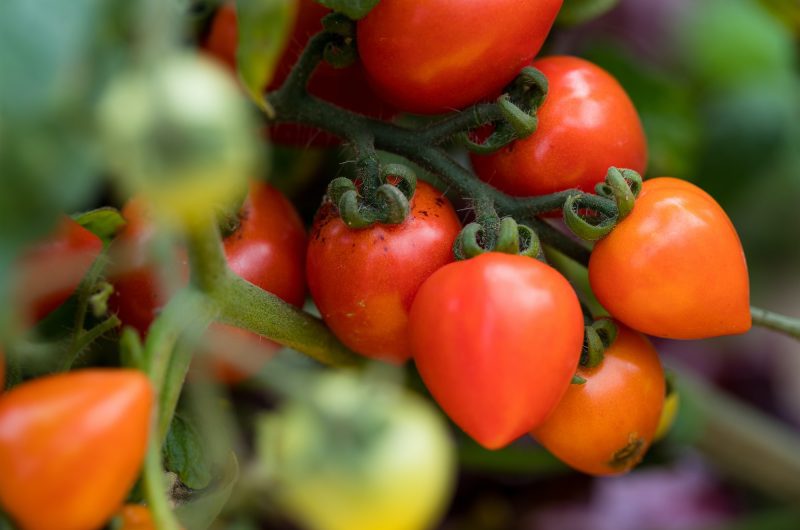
578 380
340 55
593 348
530 86
529 244
392 204
467 244
607 329
338 187
589 226
503 135
623 186
352 212
523 123
508 236
403 177
339 24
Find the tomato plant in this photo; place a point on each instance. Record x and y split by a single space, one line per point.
587 124
83 436
392 261
605 425
496 339
442 55
658 271
41 288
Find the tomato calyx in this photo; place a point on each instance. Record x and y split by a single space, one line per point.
518 106
597 338
340 51
490 233
622 186
381 194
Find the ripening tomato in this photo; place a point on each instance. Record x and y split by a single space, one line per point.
496 339
267 249
363 281
605 425
674 267
71 446
346 87
586 125
442 55
51 270
136 517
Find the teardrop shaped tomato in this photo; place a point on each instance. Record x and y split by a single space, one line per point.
605 425
496 339
587 124
363 281
674 267
71 446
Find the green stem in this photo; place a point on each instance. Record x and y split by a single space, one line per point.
155 488
84 339
776 322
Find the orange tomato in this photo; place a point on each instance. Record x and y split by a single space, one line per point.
71 446
136 517
674 267
605 425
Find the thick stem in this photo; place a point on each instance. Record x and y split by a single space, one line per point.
155 488
776 322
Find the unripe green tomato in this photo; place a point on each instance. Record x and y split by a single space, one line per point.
360 458
180 134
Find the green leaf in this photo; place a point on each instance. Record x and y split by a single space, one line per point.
576 12
102 222
355 9
264 28
201 512
186 455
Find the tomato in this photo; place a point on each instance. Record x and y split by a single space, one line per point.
605 425
136 517
442 55
496 340
267 249
41 285
674 267
586 125
387 264
71 446
346 87
366 457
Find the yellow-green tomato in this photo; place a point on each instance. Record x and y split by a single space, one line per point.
181 134
370 457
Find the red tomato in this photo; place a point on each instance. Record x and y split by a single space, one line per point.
347 87
586 125
442 55
605 425
50 271
674 267
267 249
363 281
496 339
72 445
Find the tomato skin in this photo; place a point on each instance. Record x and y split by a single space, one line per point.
674 267
71 446
441 55
388 264
618 406
496 340
586 125
42 287
346 87
267 249
136 517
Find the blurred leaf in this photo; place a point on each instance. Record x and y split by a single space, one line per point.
185 454
201 512
102 222
576 12
264 28
355 9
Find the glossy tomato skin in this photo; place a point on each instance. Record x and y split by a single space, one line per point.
72 445
442 55
586 125
51 270
346 87
363 281
496 340
674 267
605 425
